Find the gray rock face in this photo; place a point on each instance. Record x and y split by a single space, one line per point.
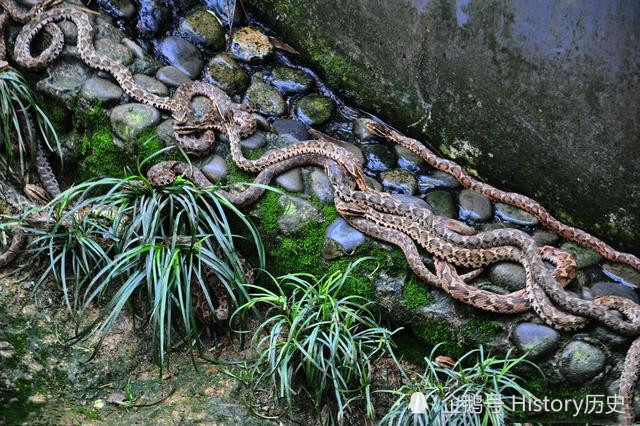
182 55
442 203
223 71
581 361
297 213
398 181
151 85
291 130
266 97
291 180
129 120
320 186
289 80
165 132
256 140
64 81
538 340
542 237
216 169
202 28
360 130
436 179
408 159
508 275
583 256
515 215
115 51
616 289
313 110
622 273
172 76
348 238
379 157
99 90
249 44
474 206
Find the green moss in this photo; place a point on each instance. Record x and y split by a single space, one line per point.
89 413
415 294
480 331
435 332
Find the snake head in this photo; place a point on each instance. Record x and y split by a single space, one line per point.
352 167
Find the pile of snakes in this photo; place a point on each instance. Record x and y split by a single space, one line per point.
375 213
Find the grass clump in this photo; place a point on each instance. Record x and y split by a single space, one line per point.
485 382
316 342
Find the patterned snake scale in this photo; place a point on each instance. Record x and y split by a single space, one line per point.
375 213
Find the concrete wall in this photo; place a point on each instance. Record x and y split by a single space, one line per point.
537 96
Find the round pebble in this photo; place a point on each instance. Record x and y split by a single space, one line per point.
408 159
100 90
223 71
202 28
216 169
172 76
114 51
515 215
442 203
129 120
266 96
255 141
379 157
151 85
314 110
411 199
181 54
291 180
437 179
604 288
538 340
473 206
583 256
289 80
511 276
398 181
321 186
249 44
581 361
296 214
291 130
345 235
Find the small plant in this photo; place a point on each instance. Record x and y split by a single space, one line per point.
18 137
124 240
459 395
314 341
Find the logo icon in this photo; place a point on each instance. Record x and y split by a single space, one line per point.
418 403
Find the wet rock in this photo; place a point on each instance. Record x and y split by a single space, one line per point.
320 186
257 140
102 91
151 85
223 71
408 159
292 130
121 9
200 105
581 361
129 120
291 180
313 110
379 157
508 275
436 179
622 273
227 10
354 150
104 29
583 256
216 169
515 215
473 206
203 29
604 288
398 181
289 80
266 97
143 63
165 132
181 54
64 81
153 18
297 213
347 238
172 76
410 199
442 203
249 44
538 340
114 51
69 30
360 129
542 237
377 185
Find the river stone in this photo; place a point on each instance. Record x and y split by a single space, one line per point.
202 28
223 71
542 237
113 50
290 80
104 29
321 186
581 361
583 256
129 120
255 141
437 179
508 275
442 203
216 169
373 183
622 273
172 76
64 81
314 110
473 206
360 130
249 44
398 181
411 199
347 237
538 340
515 215
408 159
121 9
165 132
69 30
143 63
604 288
291 180
379 157
99 90
151 85
153 17
201 105
291 130
297 213
181 54
266 97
